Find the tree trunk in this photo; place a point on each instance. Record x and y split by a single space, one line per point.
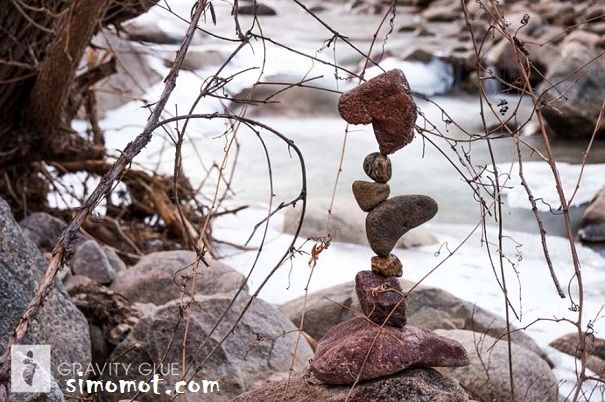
43 44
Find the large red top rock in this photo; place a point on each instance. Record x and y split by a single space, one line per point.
386 102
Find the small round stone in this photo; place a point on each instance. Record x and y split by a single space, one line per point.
387 266
378 167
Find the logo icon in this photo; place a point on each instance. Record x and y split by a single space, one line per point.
30 368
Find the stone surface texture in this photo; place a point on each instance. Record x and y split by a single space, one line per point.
413 385
378 167
593 220
581 77
387 266
58 323
595 350
43 229
90 260
381 298
385 102
157 276
260 347
369 195
386 223
487 377
358 349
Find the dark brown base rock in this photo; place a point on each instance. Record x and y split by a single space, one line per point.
381 298
394 217
369 195
387 266
360 350
413 385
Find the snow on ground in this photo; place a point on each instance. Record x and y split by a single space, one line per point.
541 181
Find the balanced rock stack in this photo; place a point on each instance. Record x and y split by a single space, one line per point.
383 343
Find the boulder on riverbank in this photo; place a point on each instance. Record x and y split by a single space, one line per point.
487 377
592 228
580 75
594 347
413 385
58 323
164 276
260 347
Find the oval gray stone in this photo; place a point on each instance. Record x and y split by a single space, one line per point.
390 220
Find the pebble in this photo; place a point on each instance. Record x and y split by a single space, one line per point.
369 195
387 266
378 167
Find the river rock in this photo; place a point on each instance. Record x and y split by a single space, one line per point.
261 345
580 75
197 59
594 347
157 278
150 32
287 100
541 55
487 376
387 266
412 385
569 344
386 223
114 259
134 74
360 350
255 9
442 13
90 260
369 195
329 307
592 228
378 167
387 103
43 229
58 323
381 298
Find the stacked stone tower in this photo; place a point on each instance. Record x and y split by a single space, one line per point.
383 343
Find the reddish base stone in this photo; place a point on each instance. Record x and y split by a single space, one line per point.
360 350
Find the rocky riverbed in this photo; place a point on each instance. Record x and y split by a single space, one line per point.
105 309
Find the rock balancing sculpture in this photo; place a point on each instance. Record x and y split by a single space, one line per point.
383 343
